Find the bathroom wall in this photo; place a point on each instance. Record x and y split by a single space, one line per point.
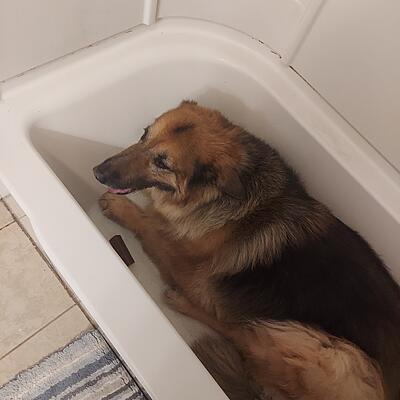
351 56
33 32
277 23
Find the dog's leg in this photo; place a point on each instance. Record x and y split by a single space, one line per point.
294 360
219 355
179 302
157 246
123 211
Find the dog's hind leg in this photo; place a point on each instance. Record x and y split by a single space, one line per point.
307 364
218 354
289 358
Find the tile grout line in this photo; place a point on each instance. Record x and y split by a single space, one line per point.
17 220
47 262
11 213
37 331
8 224
39 251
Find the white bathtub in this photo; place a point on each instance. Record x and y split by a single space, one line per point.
59 121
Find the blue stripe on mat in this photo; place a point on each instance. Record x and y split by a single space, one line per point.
89 384
85 368
75 377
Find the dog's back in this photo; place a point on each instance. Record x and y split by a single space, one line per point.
322 273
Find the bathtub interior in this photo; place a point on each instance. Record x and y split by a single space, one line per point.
76 137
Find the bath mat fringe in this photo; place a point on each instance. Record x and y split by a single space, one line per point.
86 368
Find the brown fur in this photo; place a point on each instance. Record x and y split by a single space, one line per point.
232 227
285 359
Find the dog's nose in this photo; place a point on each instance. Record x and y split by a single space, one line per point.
99 173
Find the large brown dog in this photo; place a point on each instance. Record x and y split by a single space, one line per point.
250 253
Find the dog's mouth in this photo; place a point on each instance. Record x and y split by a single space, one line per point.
120 186
119 191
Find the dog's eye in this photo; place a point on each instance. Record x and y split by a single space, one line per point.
146 131
160 162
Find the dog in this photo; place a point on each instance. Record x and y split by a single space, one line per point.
311 308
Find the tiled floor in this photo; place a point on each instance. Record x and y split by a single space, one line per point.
37 315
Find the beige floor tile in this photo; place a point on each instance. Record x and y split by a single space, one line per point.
14 207
57 334
5 216
30 294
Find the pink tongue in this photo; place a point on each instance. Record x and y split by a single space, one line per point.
119 191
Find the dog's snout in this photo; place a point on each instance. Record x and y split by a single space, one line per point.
100 173
107 173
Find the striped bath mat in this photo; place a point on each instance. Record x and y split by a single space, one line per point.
85 369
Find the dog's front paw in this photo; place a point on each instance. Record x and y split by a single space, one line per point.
116 207
177 301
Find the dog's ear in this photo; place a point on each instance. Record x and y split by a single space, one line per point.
231 185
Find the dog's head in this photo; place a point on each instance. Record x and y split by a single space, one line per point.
187 152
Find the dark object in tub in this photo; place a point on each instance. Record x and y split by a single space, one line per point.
119 246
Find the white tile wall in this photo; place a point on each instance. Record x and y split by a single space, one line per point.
351 57
33 32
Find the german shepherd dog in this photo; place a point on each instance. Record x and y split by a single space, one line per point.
305 307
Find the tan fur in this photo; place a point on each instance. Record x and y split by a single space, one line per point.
192 235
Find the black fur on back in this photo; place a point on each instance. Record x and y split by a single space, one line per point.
333 281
